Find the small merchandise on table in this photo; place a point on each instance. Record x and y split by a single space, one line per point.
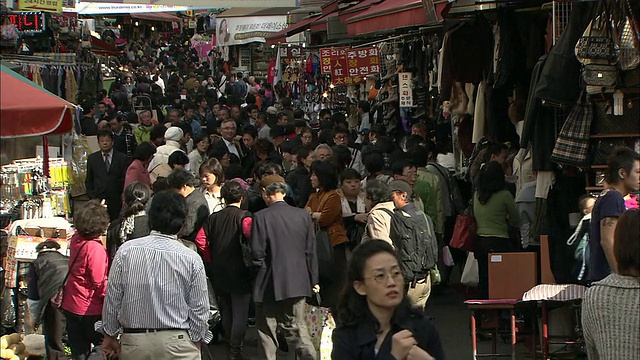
23 185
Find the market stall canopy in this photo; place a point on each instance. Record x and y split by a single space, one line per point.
102 47
158 16
392 14
208 4
27 109
296 28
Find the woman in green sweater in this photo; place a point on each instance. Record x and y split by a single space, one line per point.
494 209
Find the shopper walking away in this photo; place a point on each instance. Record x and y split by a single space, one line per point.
157 296
283 248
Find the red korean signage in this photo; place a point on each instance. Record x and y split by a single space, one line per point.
349 66
363 62
30 22
328 57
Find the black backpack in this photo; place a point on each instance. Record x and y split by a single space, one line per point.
416 247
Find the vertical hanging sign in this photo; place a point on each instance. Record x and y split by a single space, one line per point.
405 92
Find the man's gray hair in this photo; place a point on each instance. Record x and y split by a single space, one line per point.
276 187
323 146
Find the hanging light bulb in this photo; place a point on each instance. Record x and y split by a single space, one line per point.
153 28
119 26
136 23
325 94
331 86
304 45
273 46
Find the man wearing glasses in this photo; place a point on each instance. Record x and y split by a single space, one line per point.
341 137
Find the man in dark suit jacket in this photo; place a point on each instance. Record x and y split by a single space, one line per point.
283 247
106 170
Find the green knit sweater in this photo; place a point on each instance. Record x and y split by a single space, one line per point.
494 217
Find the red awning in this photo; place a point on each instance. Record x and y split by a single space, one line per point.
27 109
358 8
320 24
281 36
157 16
102 47
390 14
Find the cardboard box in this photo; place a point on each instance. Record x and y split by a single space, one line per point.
512 274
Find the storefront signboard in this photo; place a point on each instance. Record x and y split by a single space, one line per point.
406 94
41 5
101 8
28 22
349 66
244 30
363 62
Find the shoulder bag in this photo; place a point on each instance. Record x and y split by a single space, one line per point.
247 255
572 144
465 230
56 299
324 252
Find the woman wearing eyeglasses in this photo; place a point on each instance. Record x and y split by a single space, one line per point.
375 318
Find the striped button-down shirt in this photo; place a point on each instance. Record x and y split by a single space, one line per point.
155 282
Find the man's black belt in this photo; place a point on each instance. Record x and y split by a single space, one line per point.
140 331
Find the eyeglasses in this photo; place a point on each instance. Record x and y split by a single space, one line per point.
382 277
339 137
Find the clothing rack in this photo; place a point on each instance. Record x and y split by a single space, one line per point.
420 32
36 60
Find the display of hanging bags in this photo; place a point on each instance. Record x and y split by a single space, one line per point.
598 51
573 141
629 39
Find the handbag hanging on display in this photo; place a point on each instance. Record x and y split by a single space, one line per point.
598 51
572 144
597 41
600 78
629 38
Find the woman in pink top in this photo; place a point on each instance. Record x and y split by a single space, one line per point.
86 285
137 170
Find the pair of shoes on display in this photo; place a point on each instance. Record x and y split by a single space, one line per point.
389 114
391 73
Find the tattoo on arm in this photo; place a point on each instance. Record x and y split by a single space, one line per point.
609 221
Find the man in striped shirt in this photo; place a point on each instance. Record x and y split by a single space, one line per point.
157 292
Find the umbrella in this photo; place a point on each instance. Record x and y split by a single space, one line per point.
27 109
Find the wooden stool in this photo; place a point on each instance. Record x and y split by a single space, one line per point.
495 304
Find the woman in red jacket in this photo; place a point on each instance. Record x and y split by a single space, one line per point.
86 285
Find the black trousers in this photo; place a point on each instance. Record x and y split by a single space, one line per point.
82 334
483 247
330 291
234 311
53 325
